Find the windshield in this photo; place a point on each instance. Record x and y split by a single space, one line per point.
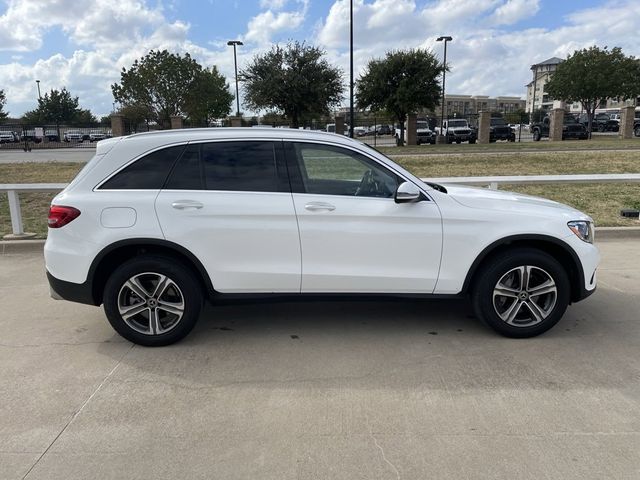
570 119
423 125
498 121
457 123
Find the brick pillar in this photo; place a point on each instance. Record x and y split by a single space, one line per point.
117 125
555 124
412 129
176 122
236 121
626 123
484 121
340 125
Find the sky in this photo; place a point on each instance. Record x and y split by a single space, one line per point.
84 46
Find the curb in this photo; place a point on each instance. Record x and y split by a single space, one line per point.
8 247
615 233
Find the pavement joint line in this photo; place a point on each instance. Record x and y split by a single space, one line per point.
78 412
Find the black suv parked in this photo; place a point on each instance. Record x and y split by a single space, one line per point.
500 130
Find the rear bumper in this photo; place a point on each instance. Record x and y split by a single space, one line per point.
73 292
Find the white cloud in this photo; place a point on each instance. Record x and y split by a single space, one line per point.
265 25
515 10
272 4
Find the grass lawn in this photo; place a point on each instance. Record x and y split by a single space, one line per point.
603 202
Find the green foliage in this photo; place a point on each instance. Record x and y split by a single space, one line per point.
164 84
3 101
209 97
403 82
295 80
60 108
592 75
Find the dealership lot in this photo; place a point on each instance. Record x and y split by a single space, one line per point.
350 389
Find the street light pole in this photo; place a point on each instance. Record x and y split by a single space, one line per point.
444 76
351 114
38 83
235 64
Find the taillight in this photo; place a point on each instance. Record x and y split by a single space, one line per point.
59 216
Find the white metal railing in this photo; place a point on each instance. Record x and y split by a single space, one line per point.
494 182
13 190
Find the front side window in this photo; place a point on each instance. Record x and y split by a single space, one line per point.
146 173
337 171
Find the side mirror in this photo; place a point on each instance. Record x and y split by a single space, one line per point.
406 193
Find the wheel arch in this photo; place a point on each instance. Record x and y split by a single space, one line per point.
555 247
115 254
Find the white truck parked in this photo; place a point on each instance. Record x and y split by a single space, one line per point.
457 130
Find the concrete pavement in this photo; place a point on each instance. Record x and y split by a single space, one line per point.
336 390
45 155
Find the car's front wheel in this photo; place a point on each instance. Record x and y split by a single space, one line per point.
152 300
636 131
522 293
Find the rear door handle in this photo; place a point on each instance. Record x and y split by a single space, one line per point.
319 206
185 204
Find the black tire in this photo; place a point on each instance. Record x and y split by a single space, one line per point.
636 131
541 266
536 135
601 128
187 290
472 141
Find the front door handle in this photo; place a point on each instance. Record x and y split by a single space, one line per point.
319 206
185 204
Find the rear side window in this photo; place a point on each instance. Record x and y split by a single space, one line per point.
240 166
187 174
146 173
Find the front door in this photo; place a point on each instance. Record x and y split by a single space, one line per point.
355 238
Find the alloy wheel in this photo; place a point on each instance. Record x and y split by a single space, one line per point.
525 296
151 303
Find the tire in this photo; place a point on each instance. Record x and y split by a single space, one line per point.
536 135
512 314
472 141
458 141
601 128
181 296
636 131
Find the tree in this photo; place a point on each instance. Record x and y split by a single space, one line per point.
166 84
209 97
405 81
295 80
59 107
592 75
3 101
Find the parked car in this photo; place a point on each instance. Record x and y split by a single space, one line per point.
424 134
571 128
29 135
457 130
7 136
52 135
158 221
601 122
383 130
500 130
96 135
73 136
636 125
331 128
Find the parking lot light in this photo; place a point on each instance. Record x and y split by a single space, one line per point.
234 43
444 74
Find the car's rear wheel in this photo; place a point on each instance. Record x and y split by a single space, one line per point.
522 293
636 131
536 135
152 300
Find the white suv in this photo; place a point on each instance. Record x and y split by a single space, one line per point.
156 222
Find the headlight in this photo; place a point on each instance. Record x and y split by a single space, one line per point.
584 230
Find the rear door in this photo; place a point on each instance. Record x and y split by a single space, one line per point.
230 204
